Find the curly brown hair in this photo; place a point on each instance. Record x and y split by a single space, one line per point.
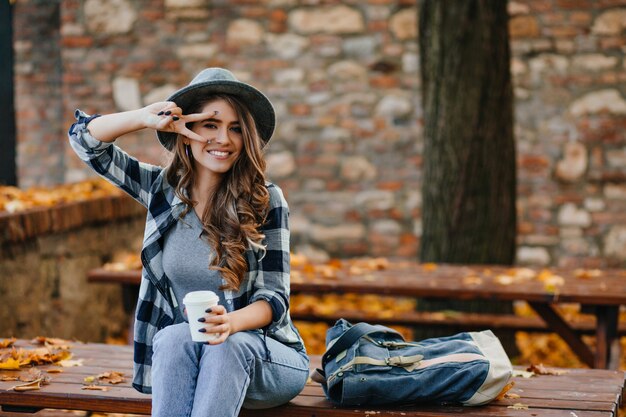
236 211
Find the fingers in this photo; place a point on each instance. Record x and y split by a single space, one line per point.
196 117
191 134
173 120
218 322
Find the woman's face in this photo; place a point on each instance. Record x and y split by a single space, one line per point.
223 131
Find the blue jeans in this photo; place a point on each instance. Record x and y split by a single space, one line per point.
200 380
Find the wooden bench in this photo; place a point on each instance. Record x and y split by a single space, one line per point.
600 296
129 280
578 392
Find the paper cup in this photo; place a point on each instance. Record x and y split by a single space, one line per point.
196 303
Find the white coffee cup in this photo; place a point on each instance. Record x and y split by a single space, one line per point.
196 303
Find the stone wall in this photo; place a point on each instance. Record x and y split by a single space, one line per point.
344 76
44 258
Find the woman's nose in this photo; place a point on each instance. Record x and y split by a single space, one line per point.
222 135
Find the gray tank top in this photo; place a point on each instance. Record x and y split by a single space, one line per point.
186 257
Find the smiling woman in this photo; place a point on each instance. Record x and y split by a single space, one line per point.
215 224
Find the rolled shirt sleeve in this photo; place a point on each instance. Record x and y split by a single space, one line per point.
111 162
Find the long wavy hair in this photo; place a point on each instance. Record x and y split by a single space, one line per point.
234 214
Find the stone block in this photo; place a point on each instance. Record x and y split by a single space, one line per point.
610 23
538 256
109 17
524 27
594 62
338 19
280 164
126 93
403 24
574 163
570 215
607 100
244 32
615 243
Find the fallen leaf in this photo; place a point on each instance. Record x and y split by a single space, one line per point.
5 343
10 363
42 340
472 280
506 389
503 279
89 379
429 266
112 377
512 396
30 386
542 370
587 273
95 388
518 406
9 378
523 374
54 371
70 362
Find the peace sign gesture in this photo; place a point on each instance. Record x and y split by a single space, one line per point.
166 116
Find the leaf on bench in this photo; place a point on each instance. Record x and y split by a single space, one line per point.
66 363
542 370
95 388
5 343
111 377
10 364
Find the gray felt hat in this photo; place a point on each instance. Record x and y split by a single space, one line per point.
220 81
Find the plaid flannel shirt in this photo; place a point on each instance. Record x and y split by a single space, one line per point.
268 271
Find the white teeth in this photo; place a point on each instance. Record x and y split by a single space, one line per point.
218 153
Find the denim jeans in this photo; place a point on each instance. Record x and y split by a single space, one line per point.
200 380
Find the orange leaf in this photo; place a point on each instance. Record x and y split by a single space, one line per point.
5 343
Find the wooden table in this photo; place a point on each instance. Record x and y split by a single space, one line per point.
599 295
579 392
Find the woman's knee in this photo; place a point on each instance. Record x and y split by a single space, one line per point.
172 338
241 346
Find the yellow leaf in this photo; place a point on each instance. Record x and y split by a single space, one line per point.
89 379
95 388
429 266
10 363
70 362
518 406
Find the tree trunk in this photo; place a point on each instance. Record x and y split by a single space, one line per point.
8 175
469 152
469 184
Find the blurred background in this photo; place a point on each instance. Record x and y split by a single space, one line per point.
344 77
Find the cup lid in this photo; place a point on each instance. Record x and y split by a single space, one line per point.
199 297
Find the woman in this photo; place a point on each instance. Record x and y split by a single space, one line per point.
213 223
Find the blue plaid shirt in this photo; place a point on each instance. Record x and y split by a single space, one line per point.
268 271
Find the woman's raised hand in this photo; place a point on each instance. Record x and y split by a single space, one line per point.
166 116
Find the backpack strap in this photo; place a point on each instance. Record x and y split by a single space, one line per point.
350 336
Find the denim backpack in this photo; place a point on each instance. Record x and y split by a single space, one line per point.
369 364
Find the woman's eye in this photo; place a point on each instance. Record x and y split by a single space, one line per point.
210 126
236 129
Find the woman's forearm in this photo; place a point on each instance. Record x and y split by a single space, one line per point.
109 127
254 316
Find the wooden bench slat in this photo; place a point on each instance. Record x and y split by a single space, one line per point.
585 392
308 406
465 321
